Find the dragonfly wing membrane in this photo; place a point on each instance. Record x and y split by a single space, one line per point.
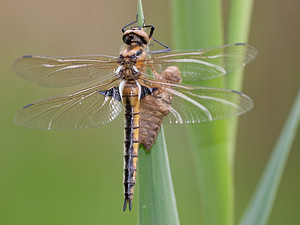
52 71
191 104
81 109
207 63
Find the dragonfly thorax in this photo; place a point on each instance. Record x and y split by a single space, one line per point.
128 73
132 58
127 61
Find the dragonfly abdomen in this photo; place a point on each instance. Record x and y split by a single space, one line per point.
130 96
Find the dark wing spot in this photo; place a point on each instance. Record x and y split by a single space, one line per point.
240 43
26 106
237 92
27 56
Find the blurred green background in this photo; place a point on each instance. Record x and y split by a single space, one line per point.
75 177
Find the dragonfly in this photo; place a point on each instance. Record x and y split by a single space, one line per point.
138 83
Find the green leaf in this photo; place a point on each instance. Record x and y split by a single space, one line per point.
239 19
258 211
198 24
157 199
157 203
238 32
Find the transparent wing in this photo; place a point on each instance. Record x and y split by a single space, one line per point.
80 109
193 104
206 104
53 71
204 63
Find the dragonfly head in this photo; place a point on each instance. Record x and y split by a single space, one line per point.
136 36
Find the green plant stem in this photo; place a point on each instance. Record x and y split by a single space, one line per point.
239 21
198 24
157 199
259 209
140 13
157 203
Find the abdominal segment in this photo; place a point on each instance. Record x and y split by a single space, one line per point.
131 139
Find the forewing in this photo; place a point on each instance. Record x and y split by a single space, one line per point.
81 109
53 71
204 63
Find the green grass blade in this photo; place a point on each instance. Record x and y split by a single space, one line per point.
198 24
157 203
239 19
157 199
258 211
238 32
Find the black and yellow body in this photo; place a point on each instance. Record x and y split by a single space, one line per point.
130 97
131 62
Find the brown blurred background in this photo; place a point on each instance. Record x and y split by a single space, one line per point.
75 177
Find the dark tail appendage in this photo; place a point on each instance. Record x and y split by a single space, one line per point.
125 204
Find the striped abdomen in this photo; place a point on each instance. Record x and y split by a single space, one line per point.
130 96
